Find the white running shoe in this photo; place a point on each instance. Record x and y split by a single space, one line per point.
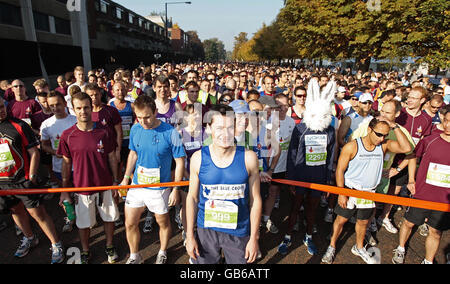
362 253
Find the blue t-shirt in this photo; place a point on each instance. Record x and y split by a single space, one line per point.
155 149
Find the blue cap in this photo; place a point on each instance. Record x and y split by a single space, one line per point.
239 106
358 94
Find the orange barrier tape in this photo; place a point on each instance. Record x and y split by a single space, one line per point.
378 197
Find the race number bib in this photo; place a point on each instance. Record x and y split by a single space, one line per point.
126 131
438 175
148 176
316 150
6 158
55 144
192 145
221 214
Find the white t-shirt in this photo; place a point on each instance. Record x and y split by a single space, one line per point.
284 134
51 129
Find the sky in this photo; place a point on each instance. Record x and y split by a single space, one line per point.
222 19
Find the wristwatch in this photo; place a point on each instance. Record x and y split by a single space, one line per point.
395 127
398 169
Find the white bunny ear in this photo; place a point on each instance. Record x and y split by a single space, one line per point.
313 91
329 91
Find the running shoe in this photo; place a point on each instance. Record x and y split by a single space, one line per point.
399 256
85 257
57 253
423 230
328 257
178 220
424 261
271 227
26 245
329 216
137 260
68 225
283 247
448 258
362 253
386 223
148 225
312 250
112 254
161 258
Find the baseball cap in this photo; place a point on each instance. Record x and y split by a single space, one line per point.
365 97
374 79
341 89
268 101
358 94
239 106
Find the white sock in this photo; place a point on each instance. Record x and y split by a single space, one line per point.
266 218
162 252
134 255
425 261
308 236
287 237
401 249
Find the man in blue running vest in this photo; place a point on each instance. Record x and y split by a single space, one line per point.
224 197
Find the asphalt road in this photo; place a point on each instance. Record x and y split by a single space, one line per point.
177 253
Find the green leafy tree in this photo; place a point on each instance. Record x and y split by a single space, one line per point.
344 29
214 50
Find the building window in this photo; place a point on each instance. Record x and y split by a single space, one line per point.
62 26
41 21
131 18
104 7
141 22
10 15
119 12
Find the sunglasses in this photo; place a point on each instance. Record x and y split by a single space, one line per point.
300 96
354 98
380 134
18 86
365 103
226 100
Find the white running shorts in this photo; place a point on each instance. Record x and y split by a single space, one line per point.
86 213
155 200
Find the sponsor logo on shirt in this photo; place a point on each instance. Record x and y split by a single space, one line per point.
100 147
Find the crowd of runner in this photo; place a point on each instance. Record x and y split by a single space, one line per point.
230 129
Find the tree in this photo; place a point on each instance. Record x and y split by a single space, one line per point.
344 29
196 45
239 41
214 50
270 44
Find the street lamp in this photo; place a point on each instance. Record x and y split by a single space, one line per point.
165 23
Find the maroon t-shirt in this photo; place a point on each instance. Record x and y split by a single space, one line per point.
419 127
432 180
88 151
37 119
106 118
62 90
23 109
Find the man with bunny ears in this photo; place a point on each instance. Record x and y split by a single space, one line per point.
310 157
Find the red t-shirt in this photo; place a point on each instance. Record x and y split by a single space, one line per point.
23 109
419 127
37 119
88 151
433 175
106 118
